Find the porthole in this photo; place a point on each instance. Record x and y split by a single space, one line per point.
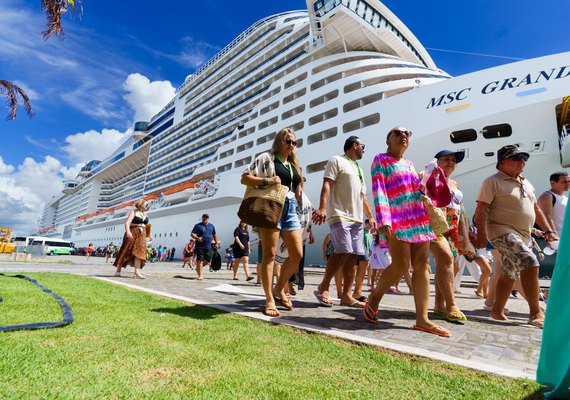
497 131
465 135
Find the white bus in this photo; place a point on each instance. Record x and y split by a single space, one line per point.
51 246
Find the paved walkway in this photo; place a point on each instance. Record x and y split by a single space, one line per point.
510 349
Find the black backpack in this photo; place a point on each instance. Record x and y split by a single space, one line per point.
216 263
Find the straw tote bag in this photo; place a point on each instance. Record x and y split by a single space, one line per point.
436 216
262 207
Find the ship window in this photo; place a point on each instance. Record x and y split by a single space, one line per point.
298 79
323 116
361 123
327 134
294 96
245 146
298 126
227 153
224 168
324 81
353 105
465 135
497 131
316 167
267 123
242 162
324 98
266 138
270 107
248 131
294 111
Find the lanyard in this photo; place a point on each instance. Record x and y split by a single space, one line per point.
356 167
288 166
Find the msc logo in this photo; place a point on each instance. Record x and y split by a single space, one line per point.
448 98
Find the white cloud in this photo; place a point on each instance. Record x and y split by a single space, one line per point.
5 168
25 190
146 97
92 145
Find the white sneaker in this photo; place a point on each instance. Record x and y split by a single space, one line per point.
139 276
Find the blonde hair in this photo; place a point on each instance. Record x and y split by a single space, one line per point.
278 141
139 204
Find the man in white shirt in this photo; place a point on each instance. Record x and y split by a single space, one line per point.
553 202
342 204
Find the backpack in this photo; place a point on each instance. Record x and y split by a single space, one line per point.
216 263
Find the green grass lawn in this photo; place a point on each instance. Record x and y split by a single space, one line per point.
128 344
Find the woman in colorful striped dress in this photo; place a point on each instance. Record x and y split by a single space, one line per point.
405 225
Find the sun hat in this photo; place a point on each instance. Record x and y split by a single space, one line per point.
459 155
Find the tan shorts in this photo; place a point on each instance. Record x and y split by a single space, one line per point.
516 255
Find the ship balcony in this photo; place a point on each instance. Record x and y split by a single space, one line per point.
140 131
69 186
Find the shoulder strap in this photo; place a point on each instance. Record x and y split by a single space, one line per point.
553 198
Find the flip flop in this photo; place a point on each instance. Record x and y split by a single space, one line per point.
440 313
538 322
361 298
322 299
271 312
354 304
455 316
434 330
285 303
479 295
369 314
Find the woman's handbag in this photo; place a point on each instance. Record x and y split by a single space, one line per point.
148 229
436 216
262 207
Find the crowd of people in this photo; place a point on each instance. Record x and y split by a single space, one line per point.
389 239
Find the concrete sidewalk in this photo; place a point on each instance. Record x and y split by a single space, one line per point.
510 349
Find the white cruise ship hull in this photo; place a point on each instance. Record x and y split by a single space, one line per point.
212 132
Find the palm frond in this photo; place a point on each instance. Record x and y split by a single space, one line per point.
12 91
54 10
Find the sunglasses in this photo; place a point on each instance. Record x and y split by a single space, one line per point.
292 142
519 157
402 133
362 145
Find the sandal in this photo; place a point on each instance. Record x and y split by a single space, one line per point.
455 316
284 302
538 322
369 314
271 312
434 330
322 299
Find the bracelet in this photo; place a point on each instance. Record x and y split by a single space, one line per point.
547 232
265 181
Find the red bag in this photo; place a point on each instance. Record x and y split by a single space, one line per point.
438 189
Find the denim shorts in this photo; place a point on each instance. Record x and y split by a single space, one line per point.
289 219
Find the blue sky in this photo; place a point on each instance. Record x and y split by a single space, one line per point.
121 63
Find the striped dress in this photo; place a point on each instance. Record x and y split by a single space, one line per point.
397 199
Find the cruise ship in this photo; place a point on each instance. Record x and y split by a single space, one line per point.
340 68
